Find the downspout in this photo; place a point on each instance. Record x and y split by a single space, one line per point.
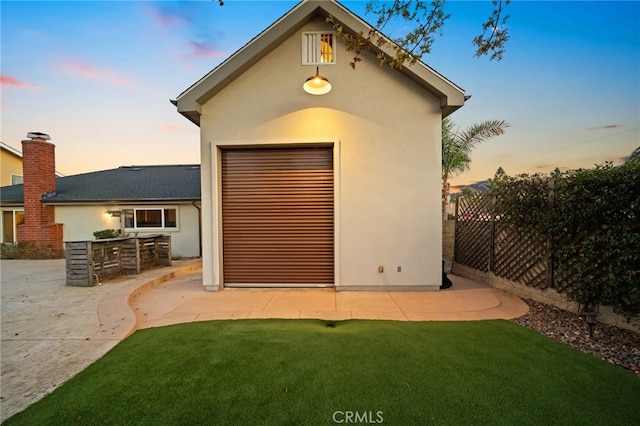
195 204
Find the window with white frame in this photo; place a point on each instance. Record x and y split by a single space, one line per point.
318 47
10 220
16 179
151 218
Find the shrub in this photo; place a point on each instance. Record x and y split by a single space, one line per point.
105 234
9 251
28 250
591 220
596 226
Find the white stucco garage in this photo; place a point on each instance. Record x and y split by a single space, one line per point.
380 129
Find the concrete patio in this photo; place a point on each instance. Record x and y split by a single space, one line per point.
182 299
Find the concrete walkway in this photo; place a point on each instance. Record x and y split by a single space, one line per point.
182 300
50 331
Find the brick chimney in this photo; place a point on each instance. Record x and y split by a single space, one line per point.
39 179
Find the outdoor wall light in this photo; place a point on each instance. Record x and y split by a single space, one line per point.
317 84
120 215
590 317
590 314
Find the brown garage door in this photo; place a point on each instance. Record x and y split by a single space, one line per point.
277 216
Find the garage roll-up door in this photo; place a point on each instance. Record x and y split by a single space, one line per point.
277 216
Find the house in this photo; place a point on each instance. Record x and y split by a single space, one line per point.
11 174
335 186
143 200
10 165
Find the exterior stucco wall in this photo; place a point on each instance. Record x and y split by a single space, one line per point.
386 135
80 222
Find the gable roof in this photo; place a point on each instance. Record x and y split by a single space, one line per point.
190 101
127 184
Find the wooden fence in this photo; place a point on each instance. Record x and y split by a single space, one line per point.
89 261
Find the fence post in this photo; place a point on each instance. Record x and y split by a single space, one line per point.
455 218
79 265
492 234
455 229
138 263
551 263
91 263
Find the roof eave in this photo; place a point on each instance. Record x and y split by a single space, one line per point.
121 201
4 204
189 102
10 150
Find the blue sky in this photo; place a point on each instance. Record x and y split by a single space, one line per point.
98 76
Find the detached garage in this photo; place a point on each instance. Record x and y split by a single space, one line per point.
331 184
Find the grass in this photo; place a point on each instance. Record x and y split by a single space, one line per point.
312 372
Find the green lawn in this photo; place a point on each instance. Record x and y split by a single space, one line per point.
310 372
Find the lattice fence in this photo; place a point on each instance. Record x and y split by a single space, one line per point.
474 229
520 257
487 241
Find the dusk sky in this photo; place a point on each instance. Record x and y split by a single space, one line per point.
98 76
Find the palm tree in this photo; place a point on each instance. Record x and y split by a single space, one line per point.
457 146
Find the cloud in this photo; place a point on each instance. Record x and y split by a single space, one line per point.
90 71
6 80
167 18
178 22
205 50
606 127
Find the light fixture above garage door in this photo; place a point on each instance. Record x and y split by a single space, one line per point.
317 84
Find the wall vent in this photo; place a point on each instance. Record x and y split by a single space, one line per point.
318 48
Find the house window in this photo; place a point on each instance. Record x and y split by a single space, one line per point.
150 218
16 179
318 48
10 220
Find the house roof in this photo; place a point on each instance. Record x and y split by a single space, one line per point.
190 101
127 184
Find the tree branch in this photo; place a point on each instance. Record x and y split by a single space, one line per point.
498 33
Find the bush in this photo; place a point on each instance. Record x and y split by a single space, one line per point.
591 220
597 230
106 234
28 250
9 251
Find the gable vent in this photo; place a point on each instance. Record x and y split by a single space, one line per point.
318 48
